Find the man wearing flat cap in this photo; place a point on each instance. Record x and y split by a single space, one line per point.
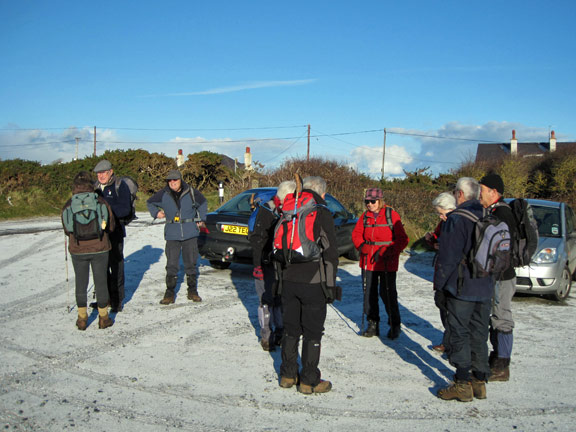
117 194
501 322
184 209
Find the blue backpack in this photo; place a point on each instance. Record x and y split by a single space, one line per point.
257 202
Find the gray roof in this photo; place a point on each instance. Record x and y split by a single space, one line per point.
491 152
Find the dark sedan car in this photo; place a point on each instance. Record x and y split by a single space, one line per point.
225 238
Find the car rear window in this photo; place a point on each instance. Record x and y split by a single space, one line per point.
239 204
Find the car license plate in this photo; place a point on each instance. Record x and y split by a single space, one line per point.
234 229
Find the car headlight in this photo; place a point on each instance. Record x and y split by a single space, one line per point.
546 256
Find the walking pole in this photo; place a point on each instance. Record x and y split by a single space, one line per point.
364 291
67 280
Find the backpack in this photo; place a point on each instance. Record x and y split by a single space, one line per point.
491 251
294 240
389 224
526 243
84 216
257 202
133 186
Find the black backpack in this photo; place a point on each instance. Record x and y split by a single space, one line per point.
526 243
133 186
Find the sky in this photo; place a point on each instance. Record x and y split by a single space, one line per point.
438 77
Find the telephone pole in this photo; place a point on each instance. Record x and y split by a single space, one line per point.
94 140
77 139
308 153
383 154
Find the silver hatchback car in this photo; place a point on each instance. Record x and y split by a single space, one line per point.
552 266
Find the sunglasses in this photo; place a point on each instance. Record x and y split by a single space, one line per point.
370 202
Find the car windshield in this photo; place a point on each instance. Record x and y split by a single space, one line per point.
548 219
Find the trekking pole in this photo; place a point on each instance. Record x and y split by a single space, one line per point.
67 280
298 192
364 291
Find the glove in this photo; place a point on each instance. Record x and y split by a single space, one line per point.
364 249
386 253
258 273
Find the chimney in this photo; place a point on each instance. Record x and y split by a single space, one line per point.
248 160
180 158
513 144
552 142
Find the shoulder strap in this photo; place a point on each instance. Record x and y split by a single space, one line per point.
467 214
388 223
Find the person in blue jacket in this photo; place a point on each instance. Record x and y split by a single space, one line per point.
184 209
468 300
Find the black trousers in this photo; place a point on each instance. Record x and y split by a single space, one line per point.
468 323
383 283
116 270
82 264
304 314
189 251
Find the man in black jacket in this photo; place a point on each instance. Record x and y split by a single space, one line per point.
117 194
501 321
304 301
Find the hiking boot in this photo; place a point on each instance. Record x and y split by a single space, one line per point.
394 332
194 296
266 345
373 329
169 297
459 390
478 388
82 323
321 387
286 382
500 371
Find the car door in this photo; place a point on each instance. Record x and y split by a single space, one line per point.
343 224
570 237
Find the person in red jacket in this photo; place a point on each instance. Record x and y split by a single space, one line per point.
380 237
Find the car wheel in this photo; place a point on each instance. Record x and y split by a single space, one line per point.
220 265
353 254
564 286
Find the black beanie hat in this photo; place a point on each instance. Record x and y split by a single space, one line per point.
493 181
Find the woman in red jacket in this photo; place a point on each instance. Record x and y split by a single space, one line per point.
380 237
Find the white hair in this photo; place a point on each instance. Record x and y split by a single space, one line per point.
469 187
285 188
445 201
317 184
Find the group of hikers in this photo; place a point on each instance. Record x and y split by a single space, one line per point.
295 258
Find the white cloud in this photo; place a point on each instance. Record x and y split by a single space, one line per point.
241 87
369 160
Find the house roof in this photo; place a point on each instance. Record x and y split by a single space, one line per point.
491 152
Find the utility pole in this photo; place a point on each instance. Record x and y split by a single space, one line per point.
383 154
94 141
77 139
308 153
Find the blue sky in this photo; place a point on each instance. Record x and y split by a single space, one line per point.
221 75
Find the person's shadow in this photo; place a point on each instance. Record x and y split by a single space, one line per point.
411 351
135 266
243 281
